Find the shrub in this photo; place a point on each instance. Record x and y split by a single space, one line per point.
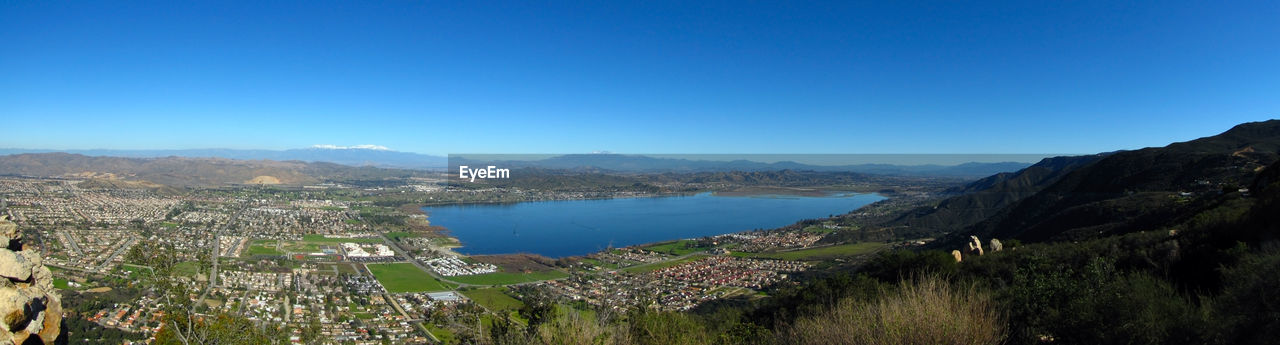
572 327
925 311
1248 311
1097 304
666 328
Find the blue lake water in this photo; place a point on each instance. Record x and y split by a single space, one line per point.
568 228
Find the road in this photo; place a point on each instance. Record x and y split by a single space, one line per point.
243 298
213 273
119 250
72 268
234 245
395 304
217 253
71 241
288 309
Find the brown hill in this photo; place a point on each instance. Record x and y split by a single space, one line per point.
184 171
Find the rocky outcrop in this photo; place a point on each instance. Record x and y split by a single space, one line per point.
996 245
975 245
956 254
30 308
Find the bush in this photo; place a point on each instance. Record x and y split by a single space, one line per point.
1248 311
926 311
666 328
571 327
899 264
1097 304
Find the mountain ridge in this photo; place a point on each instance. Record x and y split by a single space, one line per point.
1130 191
622 163
185 171
352 156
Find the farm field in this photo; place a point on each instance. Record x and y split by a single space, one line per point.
505 278
816 254
660 265
679 247
262 247
403 277
314 238
186 269
494 299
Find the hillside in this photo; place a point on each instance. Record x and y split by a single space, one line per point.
183 171
350 156
985 197
1135 190
1153 246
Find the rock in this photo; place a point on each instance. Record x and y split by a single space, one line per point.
30 307
8 230
9 235
956 254
14 266
975 245
996 245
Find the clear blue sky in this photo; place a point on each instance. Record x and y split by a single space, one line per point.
635 76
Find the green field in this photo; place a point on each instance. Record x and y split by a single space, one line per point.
321 239
444 335
660 265
186 269
816 254
132 270
445 241
680 247
504 278
403 277
262 247
304 247
397 235
60 283
494 299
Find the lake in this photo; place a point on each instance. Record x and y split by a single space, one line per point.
578 227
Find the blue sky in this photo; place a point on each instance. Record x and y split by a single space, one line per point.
635 76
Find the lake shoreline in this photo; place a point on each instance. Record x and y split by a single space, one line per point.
803 194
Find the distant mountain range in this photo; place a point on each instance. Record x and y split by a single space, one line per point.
646 164
352 156
371 156
187 172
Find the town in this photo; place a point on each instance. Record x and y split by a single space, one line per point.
329 263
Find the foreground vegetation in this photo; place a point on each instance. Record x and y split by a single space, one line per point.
927 310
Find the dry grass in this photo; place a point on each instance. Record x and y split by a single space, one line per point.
925 311
574 328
